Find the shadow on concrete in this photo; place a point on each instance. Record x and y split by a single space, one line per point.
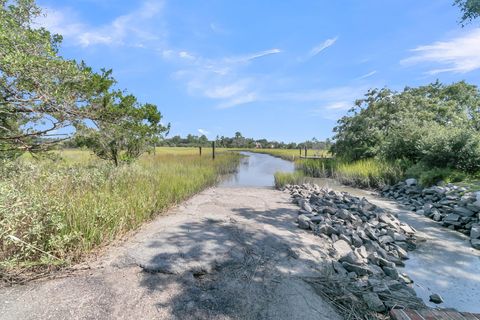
248 266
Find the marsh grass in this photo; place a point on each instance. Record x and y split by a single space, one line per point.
368 173
284 178
54 212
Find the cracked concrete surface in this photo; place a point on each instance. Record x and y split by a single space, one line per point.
227 253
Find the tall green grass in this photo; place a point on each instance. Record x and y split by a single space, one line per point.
56 211
369 173
284 178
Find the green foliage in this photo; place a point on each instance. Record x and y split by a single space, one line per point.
428 176
437 125
59 210
240 142
40 92
449 147
123 130
470 10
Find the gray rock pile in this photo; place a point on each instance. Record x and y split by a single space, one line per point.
367 243
452 206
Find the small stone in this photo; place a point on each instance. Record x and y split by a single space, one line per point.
437 216
306 206
452 217
385 263
436 298
385 239
373 258
303 222
427 207
381 288
359 270
362 252
342 214
334 237
475 231
407 229
317 219
394 284
373 302
399 237
411 182
475 243
391 272
357 241
345 238
464 212
342 248
337 266
327 229
405 278
351 258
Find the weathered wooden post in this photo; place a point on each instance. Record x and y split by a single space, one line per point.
213 150
200 151
305 151
300 150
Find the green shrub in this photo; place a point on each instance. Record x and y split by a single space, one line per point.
431 176
448 147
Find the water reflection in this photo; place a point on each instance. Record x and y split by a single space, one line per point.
257 170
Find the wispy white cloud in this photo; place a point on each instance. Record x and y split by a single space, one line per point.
255 55
129 29
322 46
228 90
460 54
367 75
221 79
239 100
339 105
203 131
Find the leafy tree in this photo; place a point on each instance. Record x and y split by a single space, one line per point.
431 124
470 10
123 130
40 92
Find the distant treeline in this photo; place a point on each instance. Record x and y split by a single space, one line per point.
239 141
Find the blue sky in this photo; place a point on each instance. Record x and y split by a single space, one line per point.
283 70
